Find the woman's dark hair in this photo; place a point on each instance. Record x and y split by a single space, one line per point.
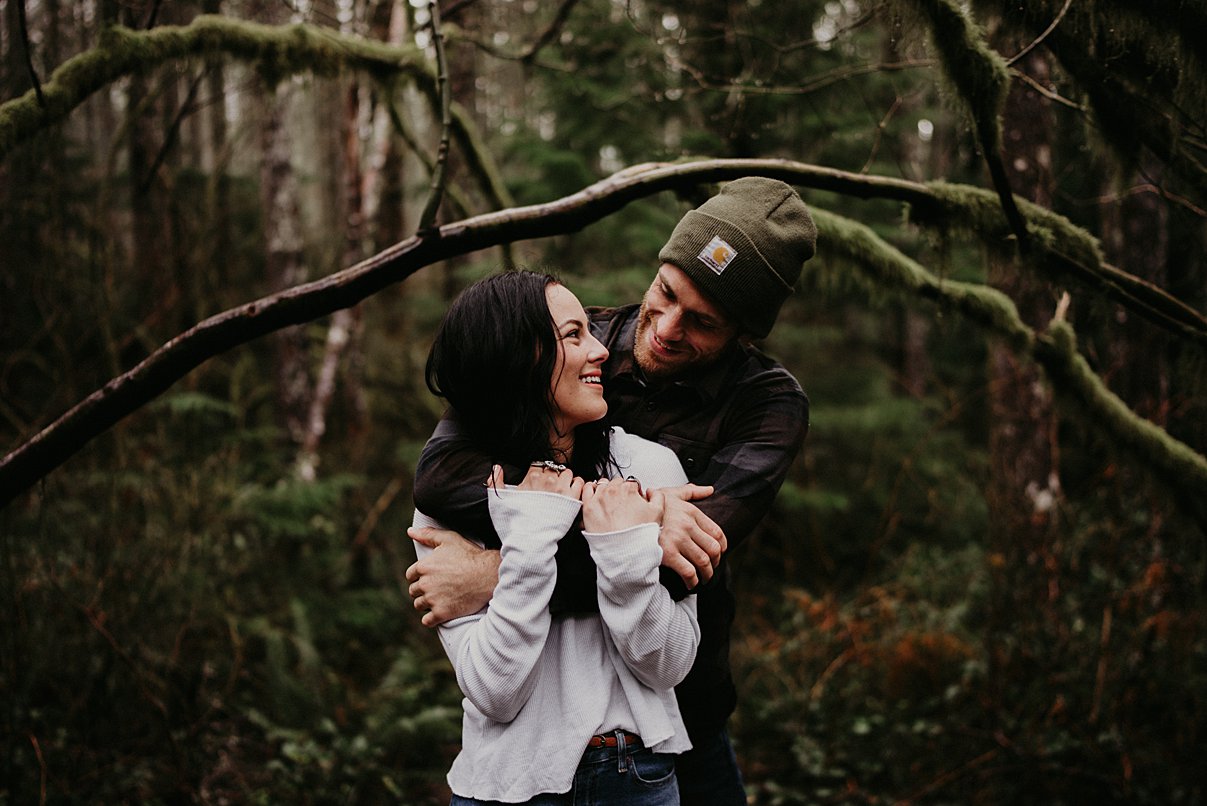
493 359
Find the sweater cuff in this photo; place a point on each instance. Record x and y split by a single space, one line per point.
635 548
531 517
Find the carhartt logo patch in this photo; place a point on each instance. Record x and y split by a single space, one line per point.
718 254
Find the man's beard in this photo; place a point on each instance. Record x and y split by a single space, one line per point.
656 367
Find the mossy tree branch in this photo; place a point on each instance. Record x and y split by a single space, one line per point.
276 51
981 79
23 33
125 394
1062 251
881 267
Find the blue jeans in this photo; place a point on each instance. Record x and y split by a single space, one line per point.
610 776
708 773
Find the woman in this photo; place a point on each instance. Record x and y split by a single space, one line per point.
581 706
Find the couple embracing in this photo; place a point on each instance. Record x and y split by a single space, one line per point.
601 464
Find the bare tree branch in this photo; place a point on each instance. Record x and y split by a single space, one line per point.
126 393
551 31
23 29
169 140
528 54
436 192
153 14
1037 40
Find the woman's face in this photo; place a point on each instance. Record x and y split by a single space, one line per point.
577 385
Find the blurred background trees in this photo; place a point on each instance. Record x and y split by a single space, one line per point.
968 591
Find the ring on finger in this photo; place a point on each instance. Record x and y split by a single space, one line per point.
549 464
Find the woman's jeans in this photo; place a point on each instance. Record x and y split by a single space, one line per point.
608 776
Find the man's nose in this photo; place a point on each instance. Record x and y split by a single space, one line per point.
669 326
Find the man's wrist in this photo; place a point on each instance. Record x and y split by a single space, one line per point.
488 573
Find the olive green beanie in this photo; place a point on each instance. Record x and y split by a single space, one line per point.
745 247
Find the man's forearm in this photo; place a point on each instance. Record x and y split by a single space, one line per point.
456 578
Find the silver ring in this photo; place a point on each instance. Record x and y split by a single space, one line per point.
549 464
632 478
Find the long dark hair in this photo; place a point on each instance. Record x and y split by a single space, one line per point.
493 360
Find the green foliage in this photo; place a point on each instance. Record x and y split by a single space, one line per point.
219 623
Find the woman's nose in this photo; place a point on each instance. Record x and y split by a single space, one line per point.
598 353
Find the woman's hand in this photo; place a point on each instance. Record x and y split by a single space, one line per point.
543 478
609 506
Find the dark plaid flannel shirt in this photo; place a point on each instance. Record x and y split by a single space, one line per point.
737 426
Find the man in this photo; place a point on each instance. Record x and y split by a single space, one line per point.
681 372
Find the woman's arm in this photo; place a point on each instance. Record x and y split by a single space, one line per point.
656 636
496 654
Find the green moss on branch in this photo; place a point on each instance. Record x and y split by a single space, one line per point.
976 71
276 52
1178 466
881 268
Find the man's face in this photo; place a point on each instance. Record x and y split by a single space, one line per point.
679 329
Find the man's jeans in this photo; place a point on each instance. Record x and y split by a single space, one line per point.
607 776
708 773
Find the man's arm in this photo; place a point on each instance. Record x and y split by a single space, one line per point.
457 578
762 439
692 543
459 581
450 482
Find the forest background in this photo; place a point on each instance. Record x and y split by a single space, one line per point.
984 580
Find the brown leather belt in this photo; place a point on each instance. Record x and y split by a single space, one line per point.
609 739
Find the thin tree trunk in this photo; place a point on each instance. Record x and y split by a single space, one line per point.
343 322
1136 234
1187 271
215 159
284 260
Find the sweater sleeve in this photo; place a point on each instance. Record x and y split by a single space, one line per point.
495 654
657 637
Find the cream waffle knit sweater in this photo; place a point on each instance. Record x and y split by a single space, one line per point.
537 688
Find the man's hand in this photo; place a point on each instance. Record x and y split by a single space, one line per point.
692 544
457 579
